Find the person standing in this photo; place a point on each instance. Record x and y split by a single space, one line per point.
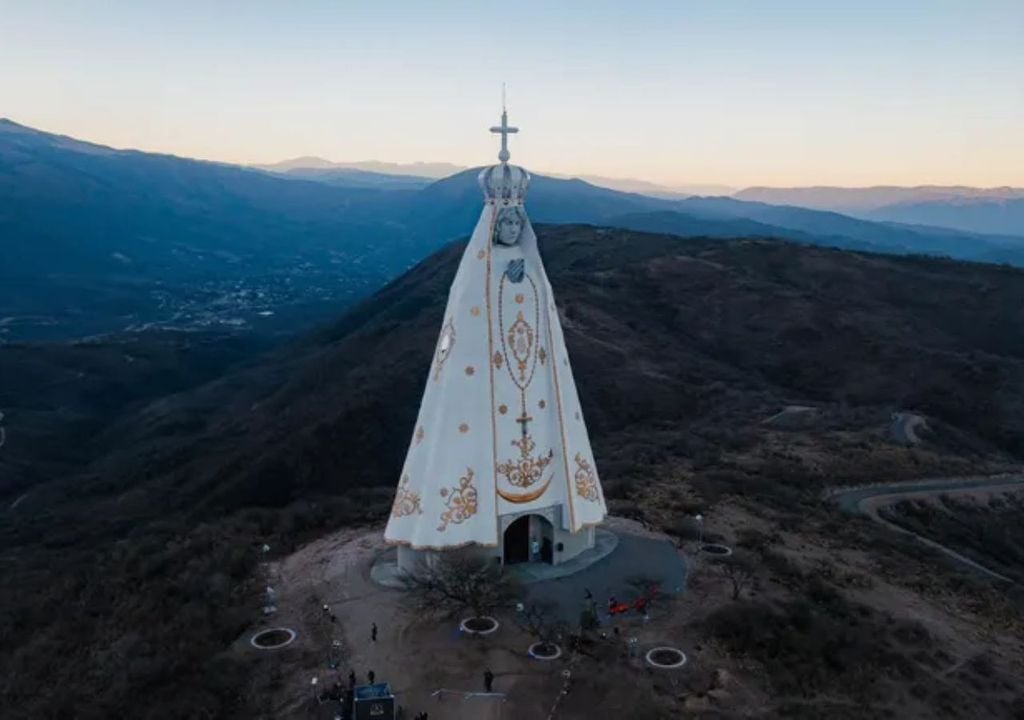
488 680
373 632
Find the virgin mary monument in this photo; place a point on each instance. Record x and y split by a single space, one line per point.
499 459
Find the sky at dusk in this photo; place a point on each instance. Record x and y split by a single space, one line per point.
713 91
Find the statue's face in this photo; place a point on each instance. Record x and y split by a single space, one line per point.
509 228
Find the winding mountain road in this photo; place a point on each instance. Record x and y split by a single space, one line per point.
871 499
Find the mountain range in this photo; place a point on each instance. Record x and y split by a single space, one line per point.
101 240
982 210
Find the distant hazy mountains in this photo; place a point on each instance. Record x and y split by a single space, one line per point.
434 171
97 239
984 210
368 173
395 175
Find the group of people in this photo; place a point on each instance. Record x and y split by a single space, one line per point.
641 604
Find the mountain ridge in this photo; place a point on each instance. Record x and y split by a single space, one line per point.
103 240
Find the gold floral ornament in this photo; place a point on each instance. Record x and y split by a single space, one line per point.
520 340
445 343
460 501
586 479
528 469
498 359
406 501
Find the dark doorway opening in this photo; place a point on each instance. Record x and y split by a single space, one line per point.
517 541
529 539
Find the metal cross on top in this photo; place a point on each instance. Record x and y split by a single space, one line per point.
504 130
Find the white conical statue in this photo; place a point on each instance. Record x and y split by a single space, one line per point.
500 456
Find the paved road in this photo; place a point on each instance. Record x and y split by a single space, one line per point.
869 500
904 427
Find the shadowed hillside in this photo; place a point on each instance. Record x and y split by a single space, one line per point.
676 344
681 350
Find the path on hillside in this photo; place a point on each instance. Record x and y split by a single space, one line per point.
870 500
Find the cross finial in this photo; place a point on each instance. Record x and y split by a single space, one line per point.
504 130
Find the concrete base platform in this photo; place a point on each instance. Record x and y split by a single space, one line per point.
605 543
385 570
622 564
637 562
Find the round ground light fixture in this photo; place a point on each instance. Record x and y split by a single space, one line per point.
272 638
483 625
716 550
545 651
665 658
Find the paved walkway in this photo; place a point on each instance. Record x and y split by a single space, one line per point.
527 573
636 558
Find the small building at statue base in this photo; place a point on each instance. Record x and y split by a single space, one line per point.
535 536
500 464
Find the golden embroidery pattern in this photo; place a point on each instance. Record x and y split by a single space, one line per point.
528 469
503 408
525 497
406 501
498 359
461 502
445 343
519 339
463 428
474 311
420 432
586 480
542 356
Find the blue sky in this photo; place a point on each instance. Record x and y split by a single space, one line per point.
739 93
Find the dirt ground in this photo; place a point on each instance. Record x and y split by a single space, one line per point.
420 655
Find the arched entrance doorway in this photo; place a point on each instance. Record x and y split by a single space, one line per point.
529 538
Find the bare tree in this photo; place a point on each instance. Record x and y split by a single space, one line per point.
453 582
540 621
738 569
